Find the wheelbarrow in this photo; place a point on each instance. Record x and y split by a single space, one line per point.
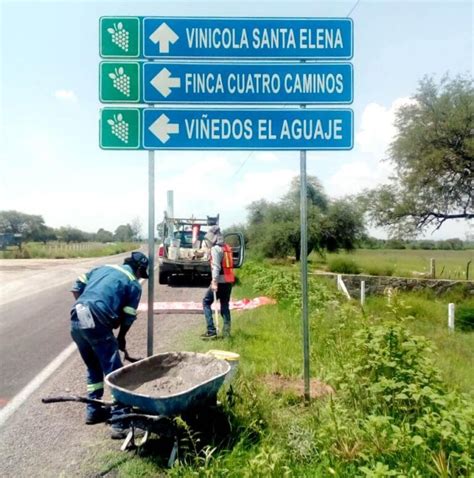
158 388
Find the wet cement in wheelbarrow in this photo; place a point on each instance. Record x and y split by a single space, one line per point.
179 373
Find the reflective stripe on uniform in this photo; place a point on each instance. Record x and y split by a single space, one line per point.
130 310
124 271
228 259
92 387
82 278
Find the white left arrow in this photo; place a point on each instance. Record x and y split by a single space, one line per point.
163 82
164 35
162 128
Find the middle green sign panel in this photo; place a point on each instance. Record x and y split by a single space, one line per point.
226 83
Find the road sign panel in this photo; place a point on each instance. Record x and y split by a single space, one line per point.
119 82
270 129
120 128
230 83
120 37
252 38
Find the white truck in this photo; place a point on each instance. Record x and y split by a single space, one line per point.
183 251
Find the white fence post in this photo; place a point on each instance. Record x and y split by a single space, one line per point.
451 309
362 292
341 286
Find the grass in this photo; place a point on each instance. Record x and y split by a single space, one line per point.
61 250
454 351
404 263
353 433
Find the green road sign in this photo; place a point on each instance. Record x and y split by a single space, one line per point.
119 82
119 37
120 128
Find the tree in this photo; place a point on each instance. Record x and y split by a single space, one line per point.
124 233
71 234
31 227
433 153
136 228
314 192
104 236
45 234
274 229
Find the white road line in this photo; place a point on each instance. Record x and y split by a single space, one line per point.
21 397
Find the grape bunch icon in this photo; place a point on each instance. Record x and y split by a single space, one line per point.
119 127
119 36
121 81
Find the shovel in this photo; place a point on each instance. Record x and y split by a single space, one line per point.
130 359
216 313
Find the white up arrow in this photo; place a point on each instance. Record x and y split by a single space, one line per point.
164 36
162 128
163 82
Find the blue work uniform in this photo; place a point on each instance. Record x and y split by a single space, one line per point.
108 297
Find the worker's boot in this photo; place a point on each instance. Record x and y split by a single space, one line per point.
95 413
98 415
226 330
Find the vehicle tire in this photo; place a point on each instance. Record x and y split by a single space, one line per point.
163 278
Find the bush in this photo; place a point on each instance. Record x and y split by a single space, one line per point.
383 270
392 413
344 266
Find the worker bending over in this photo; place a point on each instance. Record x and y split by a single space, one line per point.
107 298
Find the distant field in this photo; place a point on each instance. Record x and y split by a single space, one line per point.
406 263
61 250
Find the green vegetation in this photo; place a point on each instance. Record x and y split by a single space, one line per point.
58 250
343 265
397 408
432 154
403 263
273 229
17 228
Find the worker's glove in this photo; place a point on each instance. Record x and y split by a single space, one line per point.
122 343
214 285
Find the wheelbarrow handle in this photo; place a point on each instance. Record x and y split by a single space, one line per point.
72 398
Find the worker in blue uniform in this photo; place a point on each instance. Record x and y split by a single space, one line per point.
107 298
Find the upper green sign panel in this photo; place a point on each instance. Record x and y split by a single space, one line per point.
119 37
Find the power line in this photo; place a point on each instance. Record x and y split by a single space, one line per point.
353 8
242 164
250 155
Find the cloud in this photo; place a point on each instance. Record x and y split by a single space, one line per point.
209 186
354 177
377 127
66 95
367 170
266 156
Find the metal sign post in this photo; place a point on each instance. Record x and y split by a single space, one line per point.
151 249
304 271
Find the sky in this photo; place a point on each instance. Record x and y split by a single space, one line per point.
50 160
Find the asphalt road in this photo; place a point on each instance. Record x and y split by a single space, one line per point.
51 441
34 316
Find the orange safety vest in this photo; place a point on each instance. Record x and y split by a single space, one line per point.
227 264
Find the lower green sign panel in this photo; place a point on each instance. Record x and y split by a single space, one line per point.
120 128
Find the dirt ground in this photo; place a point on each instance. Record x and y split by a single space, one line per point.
280 384
52 440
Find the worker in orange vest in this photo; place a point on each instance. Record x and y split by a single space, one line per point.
222 275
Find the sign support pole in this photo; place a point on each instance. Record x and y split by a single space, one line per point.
151 248
304 271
